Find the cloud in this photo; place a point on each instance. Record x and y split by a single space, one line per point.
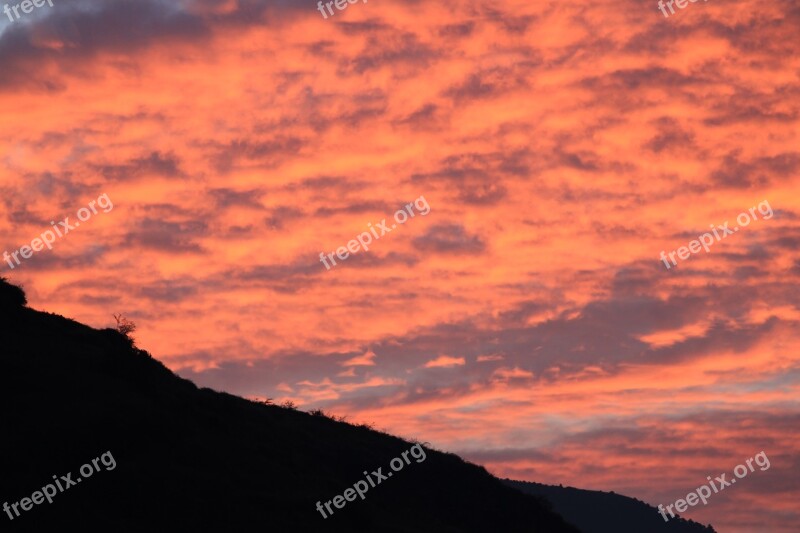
362 360
175 237
449 239
78 31
225 198
445 361
154 164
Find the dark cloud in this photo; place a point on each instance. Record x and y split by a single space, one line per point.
364 28
720 337
98 301
281 215
356 207
585 161
391 49
286 278
262 376
671 137
225 198
428 116
63 187
268 153
477 179
87 29
370 106
154 164
510 454
374 261
172 291
464 29
482 193
491 83
56 260
507 21
177 237
759 172
523 311
327 184
449 239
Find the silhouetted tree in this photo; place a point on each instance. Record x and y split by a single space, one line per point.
11 295
289 404
125 326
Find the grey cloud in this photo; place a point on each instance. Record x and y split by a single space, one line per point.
177 237
88 28
268 152
225 198
171 291
390 48
155 163
449 239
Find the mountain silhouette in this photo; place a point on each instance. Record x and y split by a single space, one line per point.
192 459
595 511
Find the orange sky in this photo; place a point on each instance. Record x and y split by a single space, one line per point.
526 321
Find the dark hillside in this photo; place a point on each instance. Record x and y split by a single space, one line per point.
606 512
190 459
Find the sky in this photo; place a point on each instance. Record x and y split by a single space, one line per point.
524 317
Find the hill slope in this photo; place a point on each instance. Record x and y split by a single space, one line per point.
189 459
603 512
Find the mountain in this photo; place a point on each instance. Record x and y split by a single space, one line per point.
118 443
606 512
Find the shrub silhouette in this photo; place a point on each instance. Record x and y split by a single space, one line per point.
125 327
11 296
289 404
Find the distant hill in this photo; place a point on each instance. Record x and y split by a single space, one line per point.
606 512
195 460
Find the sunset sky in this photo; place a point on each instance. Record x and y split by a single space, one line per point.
527 321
